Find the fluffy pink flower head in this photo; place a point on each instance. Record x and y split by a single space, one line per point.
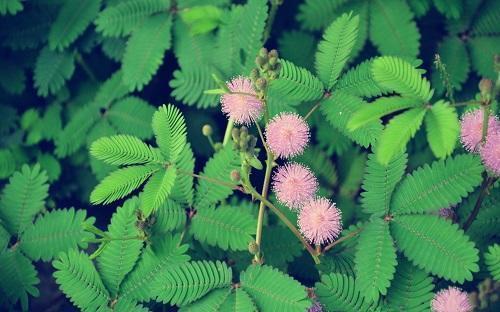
471 130
320 221
243 106
287 135
452 299
294 184
490 153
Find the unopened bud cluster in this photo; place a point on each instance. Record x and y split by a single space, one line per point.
268 68
244 141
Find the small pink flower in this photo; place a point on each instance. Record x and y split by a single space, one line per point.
490 153
287 135
320 221
294 184
243 106
471 130
316 307
452 299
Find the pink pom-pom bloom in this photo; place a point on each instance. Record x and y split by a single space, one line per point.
471 130
320 221
243 106
287 135
451 299
294 184
490 153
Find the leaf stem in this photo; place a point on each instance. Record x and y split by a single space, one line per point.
342 239
487 182
216 181
265 189
227 134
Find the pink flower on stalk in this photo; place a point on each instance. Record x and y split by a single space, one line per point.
294 184
243 106
490 153
287 135
471 130
452 299
320 221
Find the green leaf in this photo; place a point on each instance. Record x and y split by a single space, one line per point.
297 83
482 52
52 69
443 128
4 238
58 231
201 19
189 83
379 108
428 188
273 290
23 198
169 128
111 90
8 164
359 81
120 183
169 216
145 49
124 150
157 190
79 281
226 227
183 191
11 7
279 246
73 18
436 245
492 261
375 260
212 302
450 9
398 133
396 74
132 115
318 14
486 20
239 300
120 255
335 48
288 43
19 277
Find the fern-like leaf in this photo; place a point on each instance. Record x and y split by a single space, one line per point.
124 150
120 255
375 260
486 21
428 188
335 48
145 49
191 81
297 83
52 69
169 128
169 216
212 302
23 198
482 52
19 277
273 290
111 90
79 281
183 188
318 14
132 115
121 182
11 7
157 190
492 261
73 18
58 231
450 9
443 128
226 227
436 245
396 74
398 133
359 81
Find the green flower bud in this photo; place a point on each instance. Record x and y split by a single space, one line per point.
235 175
253 248
261 61
261 83
263 52
207 130
273 53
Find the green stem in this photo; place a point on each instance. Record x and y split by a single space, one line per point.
272 15
260 218
487 182
343 238
227 134
85 67
486 115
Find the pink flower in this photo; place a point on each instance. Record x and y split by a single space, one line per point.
242 104
472 129
294 184
316 307
320 221
452 299
287 135
490 153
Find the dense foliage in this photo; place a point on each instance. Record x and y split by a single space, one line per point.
254 155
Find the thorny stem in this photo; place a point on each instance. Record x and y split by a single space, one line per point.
227 134
265 189
487 182
343 238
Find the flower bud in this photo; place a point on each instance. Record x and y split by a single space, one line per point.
273 53
253 248
485 86
235 133
207 130
235 175
263 52
273 61
254 74
261 83
261 61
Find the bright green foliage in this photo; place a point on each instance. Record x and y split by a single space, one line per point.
297 83
58 230
119 256
23 198
145 49
10 7
169 216
396 74
398 133
78 279
19 277
190 281
169 127
359 81
158 189
226 227
188 85
335 48
279 246
8 164
183 188
411 289
428 188
273 290
201 19
436 245
375 260
303 57
120 19
317 14
482 51
492 261
132 115
379 108
451 9
209 303
52 69
73 18
239 301
443 128
124 150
